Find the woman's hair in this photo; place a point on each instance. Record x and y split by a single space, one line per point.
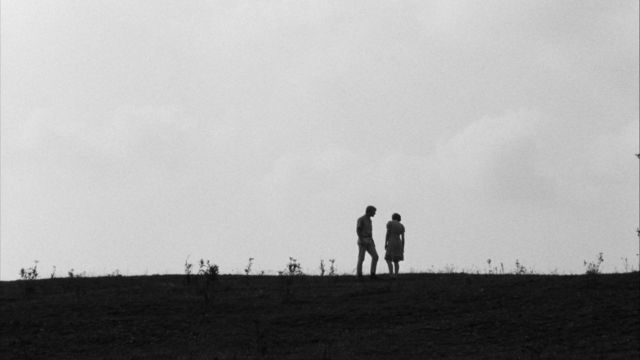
396 217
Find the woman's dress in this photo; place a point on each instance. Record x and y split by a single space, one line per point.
394 243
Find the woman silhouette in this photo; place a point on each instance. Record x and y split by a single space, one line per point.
394 244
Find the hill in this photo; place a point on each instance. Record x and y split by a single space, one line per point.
417 316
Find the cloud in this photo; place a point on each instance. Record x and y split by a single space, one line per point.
597 166
313 178
497 158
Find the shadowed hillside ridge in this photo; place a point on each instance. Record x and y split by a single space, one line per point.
417 316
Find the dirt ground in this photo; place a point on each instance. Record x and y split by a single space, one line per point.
417 316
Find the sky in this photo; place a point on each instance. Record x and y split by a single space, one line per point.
137 135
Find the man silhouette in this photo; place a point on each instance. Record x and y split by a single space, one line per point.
365 241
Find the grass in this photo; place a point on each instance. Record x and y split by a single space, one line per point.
418 316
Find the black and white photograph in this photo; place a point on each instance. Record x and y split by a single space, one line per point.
319 179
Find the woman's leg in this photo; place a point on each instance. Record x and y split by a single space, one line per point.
397 266
390 267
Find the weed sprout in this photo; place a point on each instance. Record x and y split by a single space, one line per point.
520 269
332 268
247 270
30 273
209 272
292 268
593 268
187 270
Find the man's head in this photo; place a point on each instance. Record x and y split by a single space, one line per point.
371 210
396 217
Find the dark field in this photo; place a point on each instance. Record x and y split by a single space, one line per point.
418 316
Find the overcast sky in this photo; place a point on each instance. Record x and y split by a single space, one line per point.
137 133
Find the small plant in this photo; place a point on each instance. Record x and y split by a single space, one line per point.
53 272
247 270
520 269
332 268
187 270
209 272
72 274
30 273
322 269
449 269
293 268
494 269
115 273
593 268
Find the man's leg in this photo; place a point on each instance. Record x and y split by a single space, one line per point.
371 249
361 250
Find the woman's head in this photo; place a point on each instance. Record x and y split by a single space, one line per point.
396 217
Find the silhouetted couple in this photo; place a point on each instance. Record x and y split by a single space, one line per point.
394 243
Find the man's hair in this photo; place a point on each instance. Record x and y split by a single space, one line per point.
396 217
370 209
